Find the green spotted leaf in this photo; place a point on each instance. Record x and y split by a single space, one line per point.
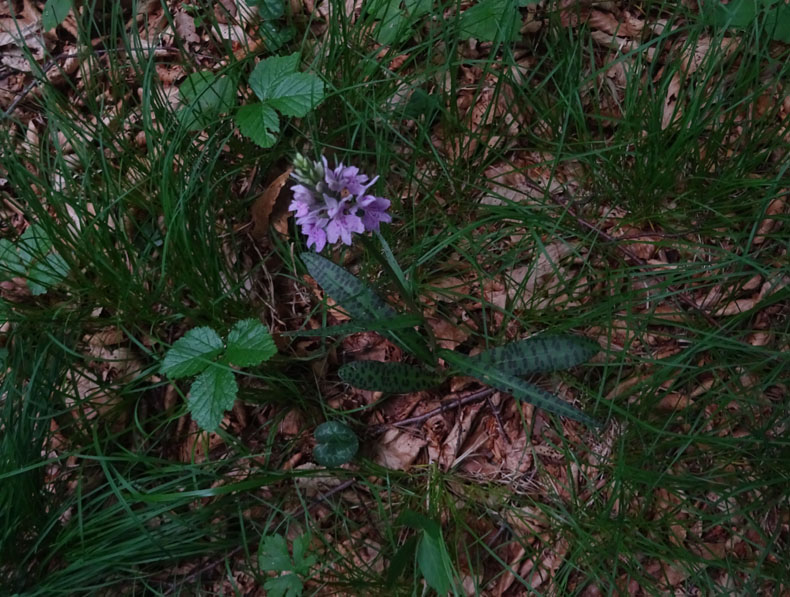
518 388
361 302
336 444
538 355
394 378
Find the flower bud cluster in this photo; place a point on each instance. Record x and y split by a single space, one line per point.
332 203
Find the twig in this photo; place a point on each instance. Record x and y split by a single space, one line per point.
449 405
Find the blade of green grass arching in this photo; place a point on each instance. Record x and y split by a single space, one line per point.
398 322
360 301
518 388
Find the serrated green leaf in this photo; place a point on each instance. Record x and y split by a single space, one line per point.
46 273
285 585
303 562
336 444
539 354
434 561
270 71
393 378
259 122
273 555
398 322
212 393
54 12
518 388
207 96
249 344
10 263
361 302
490 20
192 353
297 94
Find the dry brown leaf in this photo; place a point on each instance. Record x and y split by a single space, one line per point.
770 224
264 204
398 449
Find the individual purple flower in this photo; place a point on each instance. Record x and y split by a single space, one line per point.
345 178
331 204
374 211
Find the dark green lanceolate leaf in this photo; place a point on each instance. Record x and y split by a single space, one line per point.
361 302
212 393
249 344
433 557
518 388
398 322
348 291
336 444
192 353
394 378
538 355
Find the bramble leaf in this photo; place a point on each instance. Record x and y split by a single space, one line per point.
273 555
518 388
46 273
285 585
489 20
538 354
212 393
270 71
394 378
249 344
296 94
192 353
336 444
259 122
54 12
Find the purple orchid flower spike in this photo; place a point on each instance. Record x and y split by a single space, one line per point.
331 204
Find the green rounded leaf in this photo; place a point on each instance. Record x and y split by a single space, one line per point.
394 378
336 444
249 343
212 393
192 353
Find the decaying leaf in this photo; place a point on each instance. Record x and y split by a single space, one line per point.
264 204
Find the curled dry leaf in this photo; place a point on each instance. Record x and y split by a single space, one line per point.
398 449
264 205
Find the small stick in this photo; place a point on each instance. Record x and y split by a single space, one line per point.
450 404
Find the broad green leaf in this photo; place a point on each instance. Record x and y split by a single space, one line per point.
46 273
54 12
336 444
273 555
398 322
777 23
286 585
212 393
269 9
394 378
33 244
418 8
297 94
490 20
434 562
270 71
206 96
737 13
10 263
249 344
538 354
401 559
518 388
259 122
303 562
192 353
361 302
393 24
276 36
